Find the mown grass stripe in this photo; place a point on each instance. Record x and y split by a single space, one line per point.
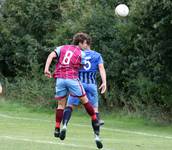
45 142
82 125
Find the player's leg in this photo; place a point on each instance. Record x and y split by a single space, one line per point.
60 96
76 89
94 120
90 110
59 116
93 98
71 103
92 95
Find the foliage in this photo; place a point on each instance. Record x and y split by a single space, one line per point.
149 53
26 27
31 92
137 50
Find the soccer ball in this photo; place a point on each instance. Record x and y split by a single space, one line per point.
122 10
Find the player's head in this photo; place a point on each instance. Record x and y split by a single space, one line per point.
81 39
89 42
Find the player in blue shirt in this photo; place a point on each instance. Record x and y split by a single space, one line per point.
87 75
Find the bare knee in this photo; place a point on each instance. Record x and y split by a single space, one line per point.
83 99
61 103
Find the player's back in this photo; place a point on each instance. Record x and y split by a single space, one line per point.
88 73
69 62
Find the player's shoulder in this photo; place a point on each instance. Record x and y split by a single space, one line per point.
68 47
95 53
65 46
58 47
57 50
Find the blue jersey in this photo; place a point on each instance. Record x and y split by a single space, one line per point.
88 73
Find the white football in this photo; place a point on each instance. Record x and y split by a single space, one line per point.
122 10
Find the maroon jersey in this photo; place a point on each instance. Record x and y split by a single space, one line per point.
70 59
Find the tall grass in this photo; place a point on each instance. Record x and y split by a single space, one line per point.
36 92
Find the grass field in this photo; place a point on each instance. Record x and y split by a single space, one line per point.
22 128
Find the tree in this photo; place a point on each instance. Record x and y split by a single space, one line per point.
26 29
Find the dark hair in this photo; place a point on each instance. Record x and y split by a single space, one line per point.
80 38
89 41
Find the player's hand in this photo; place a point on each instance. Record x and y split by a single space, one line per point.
47 73
102 88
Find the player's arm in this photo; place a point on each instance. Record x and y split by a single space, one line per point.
103 77
51 56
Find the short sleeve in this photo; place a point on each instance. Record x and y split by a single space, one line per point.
83 55
100 60
57 50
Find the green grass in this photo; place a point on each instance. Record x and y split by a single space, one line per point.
23 128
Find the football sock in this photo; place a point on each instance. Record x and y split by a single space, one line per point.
98 115
96 128
67 115
90 110
59 116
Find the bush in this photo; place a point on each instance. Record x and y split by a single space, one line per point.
36 92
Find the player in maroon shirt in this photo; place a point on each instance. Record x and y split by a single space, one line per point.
70 59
